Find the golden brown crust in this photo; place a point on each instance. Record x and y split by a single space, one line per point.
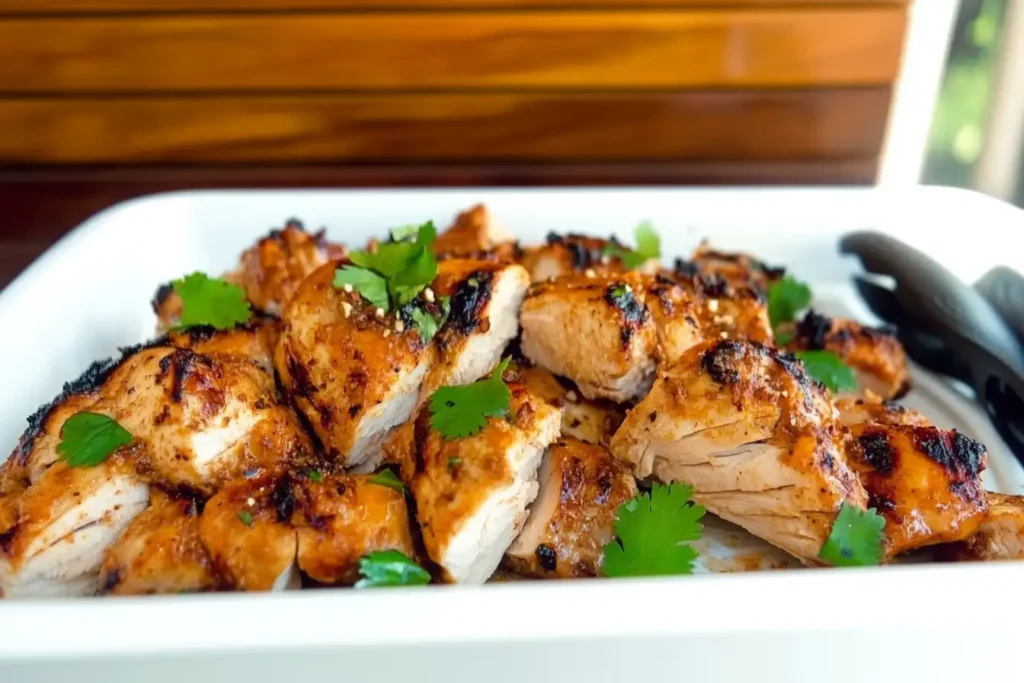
341 361
737 269
159 552
1000 536
475 235
582 487
344 517
591 421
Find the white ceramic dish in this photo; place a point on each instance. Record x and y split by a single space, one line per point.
89 295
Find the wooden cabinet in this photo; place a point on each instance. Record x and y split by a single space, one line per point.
101 100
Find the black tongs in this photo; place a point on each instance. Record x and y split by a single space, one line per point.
949 327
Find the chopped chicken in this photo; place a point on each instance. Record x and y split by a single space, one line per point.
589 421
573 517
1000 536
341 518
246 529
355 372
875 355
595 331
475 235
755 437
925 481
738 269
858 411
484 300
63 523
270 271
577 254
159 552
472 493
623 325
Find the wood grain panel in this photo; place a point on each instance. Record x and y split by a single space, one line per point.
43 6
487 50
601 126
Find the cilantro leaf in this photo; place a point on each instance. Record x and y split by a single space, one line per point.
648 246
829 369
88 438
404 233
245 517
384 568
457 412
429 324
211 301
370 286
856 538
387 478
786 298
652 532
784 337
314 475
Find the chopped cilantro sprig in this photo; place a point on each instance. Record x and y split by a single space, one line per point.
457 412
648 246
856 539
386 568
211 301
829 369
87 439
653 531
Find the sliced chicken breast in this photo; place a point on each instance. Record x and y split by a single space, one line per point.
873 410
484 317
475 234
1000 536
595 331
354 372
738 269
246 529
64 522
755 437
576 254
925 481
342 518
589 421
472 493
159 552
573 517
876 356
270 271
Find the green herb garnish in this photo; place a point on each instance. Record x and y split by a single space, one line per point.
211 301
453 463
856 539
87 439
457 412
315 476
387 478
428 324
245 517
653 531
648 246
370 286
786 298
384 568
829 369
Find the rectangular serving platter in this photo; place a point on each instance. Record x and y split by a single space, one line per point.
89 294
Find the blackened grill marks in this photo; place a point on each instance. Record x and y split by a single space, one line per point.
814 330
111 580
469 300
685 268
878 452
283 498
634 314
181 363
715 286
955 452
6 538
546 557
718 361
304 385
160 296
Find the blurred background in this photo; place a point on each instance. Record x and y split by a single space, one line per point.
105 100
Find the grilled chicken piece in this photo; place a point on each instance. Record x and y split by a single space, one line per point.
859 411
483 319
472 493
576 254
159 552
623 325
925 481
738 269
876 356
342 518
246 529
475 235
583 419
63 522
595 331
354 374
573 517
270 271
1000 536
754 436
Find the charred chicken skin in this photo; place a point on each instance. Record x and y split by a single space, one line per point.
738 269
576 254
